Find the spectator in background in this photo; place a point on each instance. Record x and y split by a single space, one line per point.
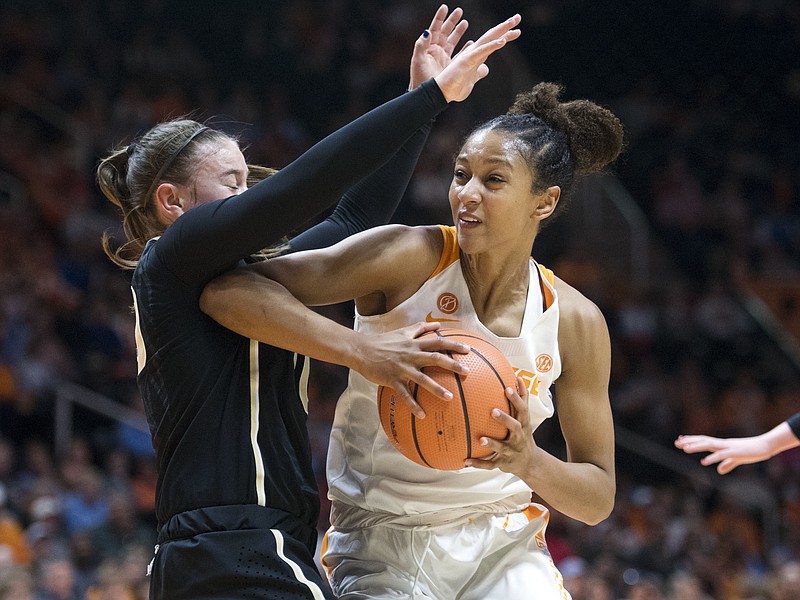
120 530
87 505
46 532
57 581
14 548
16 584
111 584
785 582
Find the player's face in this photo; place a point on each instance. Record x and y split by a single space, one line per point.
490 194
221 172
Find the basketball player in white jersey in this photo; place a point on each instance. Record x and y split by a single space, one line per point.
401 530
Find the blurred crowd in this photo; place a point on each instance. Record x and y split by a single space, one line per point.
709 92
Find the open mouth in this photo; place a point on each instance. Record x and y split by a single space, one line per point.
468 220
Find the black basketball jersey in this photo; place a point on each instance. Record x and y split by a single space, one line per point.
227 414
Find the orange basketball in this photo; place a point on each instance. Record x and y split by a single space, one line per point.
451 429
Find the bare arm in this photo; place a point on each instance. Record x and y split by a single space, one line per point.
729 453
583 487
266 302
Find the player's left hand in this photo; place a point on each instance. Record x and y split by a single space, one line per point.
433 52
515 453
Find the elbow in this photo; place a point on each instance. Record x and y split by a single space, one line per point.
602 507
599 515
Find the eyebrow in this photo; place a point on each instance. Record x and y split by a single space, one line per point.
234 172
491 161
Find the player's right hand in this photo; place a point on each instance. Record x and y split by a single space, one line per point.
395 359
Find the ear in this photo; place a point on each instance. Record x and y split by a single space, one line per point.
169 202
546 203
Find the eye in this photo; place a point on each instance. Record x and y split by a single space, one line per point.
459 174
497 179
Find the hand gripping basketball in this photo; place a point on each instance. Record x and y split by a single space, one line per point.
452 429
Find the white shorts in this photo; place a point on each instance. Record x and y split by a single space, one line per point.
487 556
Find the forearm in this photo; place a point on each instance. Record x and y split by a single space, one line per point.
268 313
582 491
213 237
780 438
370 202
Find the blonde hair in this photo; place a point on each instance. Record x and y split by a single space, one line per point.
129 176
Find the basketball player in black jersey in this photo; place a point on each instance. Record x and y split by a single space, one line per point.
236 499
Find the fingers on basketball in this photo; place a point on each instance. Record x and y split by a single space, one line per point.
452 430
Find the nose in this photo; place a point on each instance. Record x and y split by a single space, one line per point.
470 192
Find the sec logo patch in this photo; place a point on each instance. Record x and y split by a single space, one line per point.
544 362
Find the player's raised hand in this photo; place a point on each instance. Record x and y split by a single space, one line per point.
433 50
468 66
396 358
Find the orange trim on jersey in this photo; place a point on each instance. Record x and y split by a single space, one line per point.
450 251
323 550
534 512
548 292
531 512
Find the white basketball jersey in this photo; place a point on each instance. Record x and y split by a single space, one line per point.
365 471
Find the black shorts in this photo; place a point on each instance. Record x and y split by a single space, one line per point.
233 552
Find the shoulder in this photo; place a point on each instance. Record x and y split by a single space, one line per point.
411 234
582 329
402 241
574 306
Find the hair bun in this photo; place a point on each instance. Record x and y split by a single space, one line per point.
594 134
541 99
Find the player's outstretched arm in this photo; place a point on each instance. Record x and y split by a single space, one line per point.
729 453
373 200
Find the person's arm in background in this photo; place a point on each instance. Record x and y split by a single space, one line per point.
374 199
729 453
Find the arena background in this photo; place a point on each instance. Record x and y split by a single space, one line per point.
691 247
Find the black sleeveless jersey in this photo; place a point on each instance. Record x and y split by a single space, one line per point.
227 414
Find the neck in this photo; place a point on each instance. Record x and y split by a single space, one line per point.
498 289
